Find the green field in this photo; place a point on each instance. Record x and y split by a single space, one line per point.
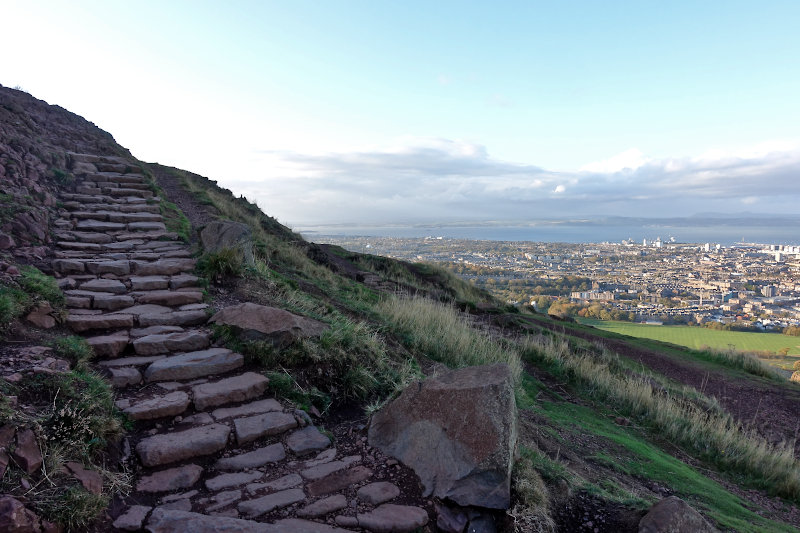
697 337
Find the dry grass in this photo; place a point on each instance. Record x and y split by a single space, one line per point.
531 510
712 436
747 361
443 334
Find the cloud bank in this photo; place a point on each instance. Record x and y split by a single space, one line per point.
437 180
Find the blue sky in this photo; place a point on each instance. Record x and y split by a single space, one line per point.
367 112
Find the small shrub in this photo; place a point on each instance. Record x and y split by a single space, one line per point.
795 376
13 303
75 507
796 365
40 286
74 349
217 266
62 177
531 509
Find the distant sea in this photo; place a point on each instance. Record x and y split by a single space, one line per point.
725 235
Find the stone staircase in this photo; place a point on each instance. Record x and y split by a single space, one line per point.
209 451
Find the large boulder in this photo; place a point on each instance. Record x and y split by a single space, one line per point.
258 322
673 515
458 432
15 518
221 234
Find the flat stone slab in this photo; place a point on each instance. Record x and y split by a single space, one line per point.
149 283
252 408
154 330
234 389
259 457
130 361
295 525
173 521
322 470
307 440
108 345
112 302
147 309
170 404
182 280
163 267
225 481
254 427
378 492
389 518
324 506
124 377
132 519
118 268
171 447
175 318
338 481
265 504
185 341
99 226
171 298
223 499
81 323
104 285
171 479
289 481
194 365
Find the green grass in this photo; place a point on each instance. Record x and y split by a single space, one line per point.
645 460
74 349
709 435
174 219
698 337
40 286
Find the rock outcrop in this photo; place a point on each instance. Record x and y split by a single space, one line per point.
222 234
458 432
673 515
256 322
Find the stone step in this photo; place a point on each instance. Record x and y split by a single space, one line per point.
171 404
254 459
154 330
81 323
112 286
114 302
88 236
251 428
259 506
81 246
116 216
115 177
162 244
187 341
194 365
252 408
181 445
175 521
233 389
130 361
127 193
168 298
164 267
151 235
99 225
146 226
149 283
109 345
175 318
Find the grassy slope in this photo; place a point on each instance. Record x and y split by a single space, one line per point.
366 337
695 337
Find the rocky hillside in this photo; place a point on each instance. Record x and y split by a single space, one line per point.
173 359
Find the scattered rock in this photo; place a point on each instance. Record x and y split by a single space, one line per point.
27 453
265 504
378 492
15 518
324 506
132 519
171 479
338 481
673 515
307 440
91 480
458 432
389 518
40 316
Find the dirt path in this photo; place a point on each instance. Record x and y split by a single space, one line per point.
771 409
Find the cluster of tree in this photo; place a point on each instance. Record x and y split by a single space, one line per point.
564 307
792 330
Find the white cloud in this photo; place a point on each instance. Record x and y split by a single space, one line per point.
630 159
442 179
